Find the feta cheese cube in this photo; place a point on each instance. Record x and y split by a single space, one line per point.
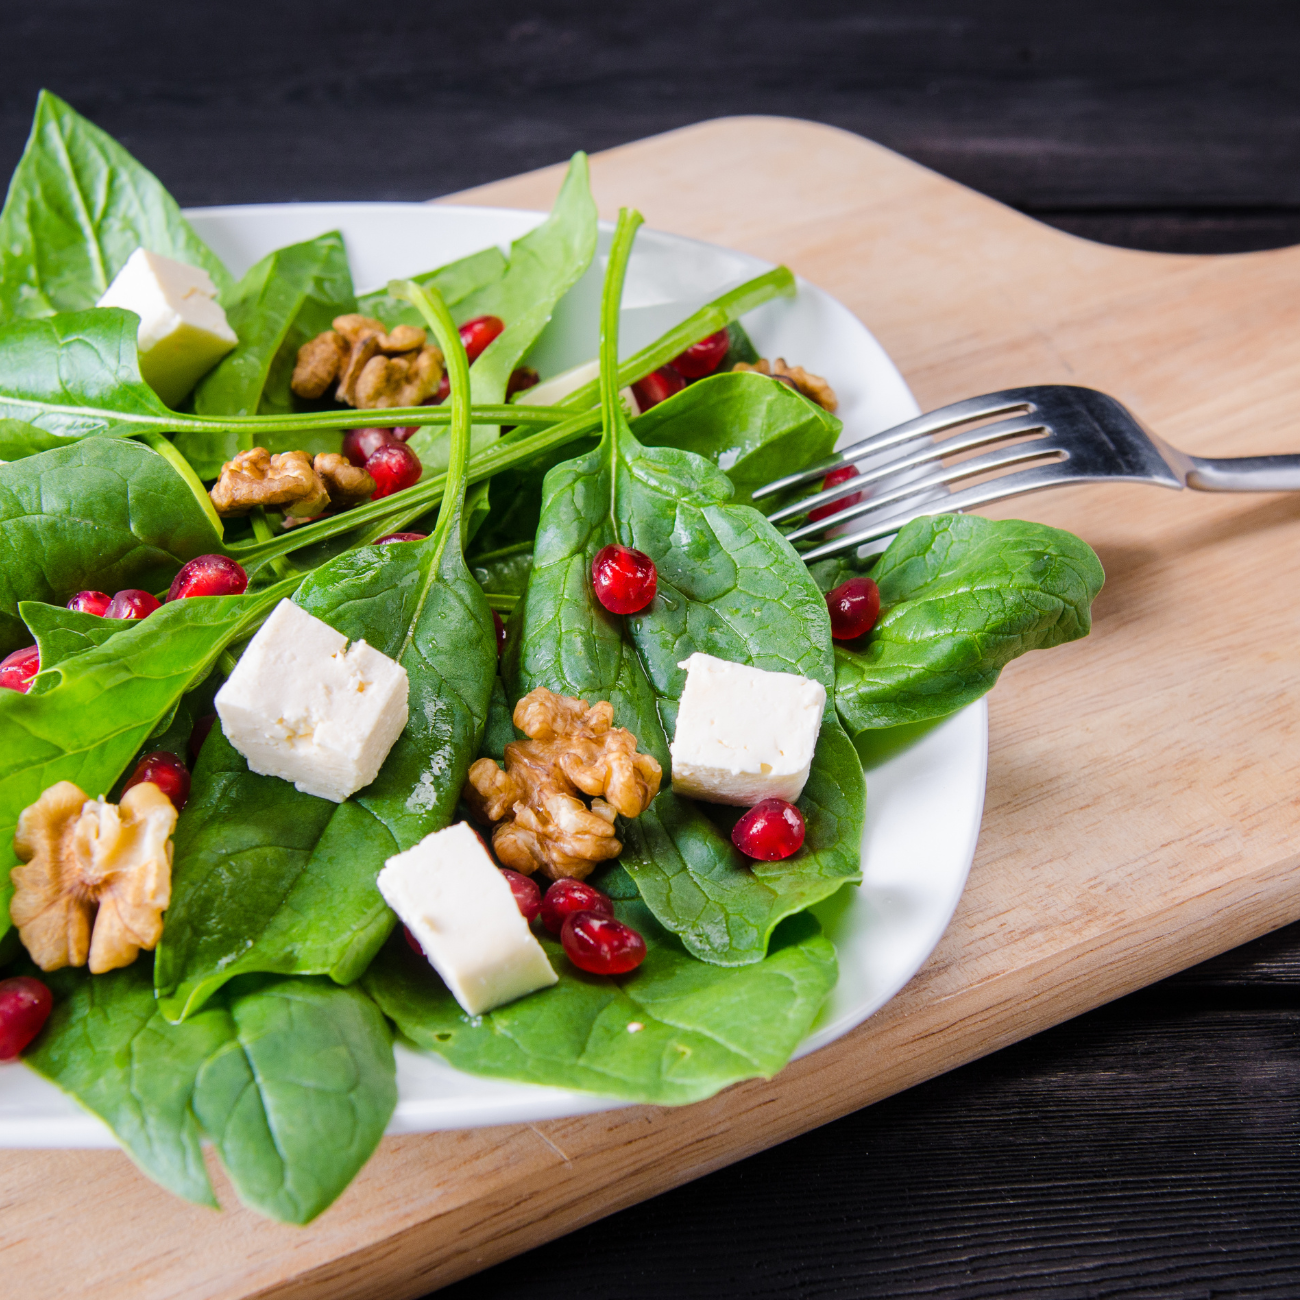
744 734
305 706
454 900
183 331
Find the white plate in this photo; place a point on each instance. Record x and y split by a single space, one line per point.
925 797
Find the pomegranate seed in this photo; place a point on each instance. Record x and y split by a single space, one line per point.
566 897
91 602
704 357
209 575
476 334
444 391
522 378
527 892
360 444
25 1005
132 603
412 942
834 479
18 669
769 831
854 607
163 769
500 631
624 578
399 537
394 467
200 734
600 944
656 387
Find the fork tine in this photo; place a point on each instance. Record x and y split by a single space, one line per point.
922 426
998 459
930 451
982 494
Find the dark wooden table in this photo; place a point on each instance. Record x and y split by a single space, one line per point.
1150 1148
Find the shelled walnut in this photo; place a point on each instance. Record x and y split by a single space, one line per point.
373 367
95 877
810 385
571 749
289 480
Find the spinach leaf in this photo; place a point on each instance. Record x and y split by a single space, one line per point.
753 429
961 596
288 297
544 265
504 572
729 585
61 633
78 206
292 1079
269 879
455 282
86 717
102 514
18 439
697 1028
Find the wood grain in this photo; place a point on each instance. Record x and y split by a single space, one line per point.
1141 812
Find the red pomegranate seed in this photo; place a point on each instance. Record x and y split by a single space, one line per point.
200 733
400 537
704 357
360 444
527 892
413 943
834 479
601 945
25 1005
657 386
522 378
91 602
163 769
18 669
394 467
854 607
132 603
565 897
500 631
476 334
769 831
209 575
624 578
444 391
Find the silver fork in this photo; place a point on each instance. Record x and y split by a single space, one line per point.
1077 435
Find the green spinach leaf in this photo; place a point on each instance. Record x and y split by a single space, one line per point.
18 439
961 596
455 282
102 514
292 1079
61 633
729 585
544 265
269 879
674 1031
78 206
85 719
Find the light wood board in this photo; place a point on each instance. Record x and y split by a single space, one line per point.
1142 800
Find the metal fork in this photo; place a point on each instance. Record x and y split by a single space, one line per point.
1077 435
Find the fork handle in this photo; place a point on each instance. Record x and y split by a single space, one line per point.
1244 474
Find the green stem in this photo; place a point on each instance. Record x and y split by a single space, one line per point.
386 418
620 252
501 601
263 532
711 318
501 553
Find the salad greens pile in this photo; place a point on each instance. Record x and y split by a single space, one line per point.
264 1022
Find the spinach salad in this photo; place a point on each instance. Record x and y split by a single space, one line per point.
385 469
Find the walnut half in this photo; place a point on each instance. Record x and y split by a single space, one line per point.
289 480
374 367
96 876
571 749
810 385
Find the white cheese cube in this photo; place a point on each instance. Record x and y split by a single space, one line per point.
183 331
453 899
744 734
305 706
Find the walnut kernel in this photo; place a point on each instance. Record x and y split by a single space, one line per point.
95 877
347 484
810 385
257 478
319 362
374 368
571 750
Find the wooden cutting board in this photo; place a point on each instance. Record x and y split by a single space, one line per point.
1142 801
